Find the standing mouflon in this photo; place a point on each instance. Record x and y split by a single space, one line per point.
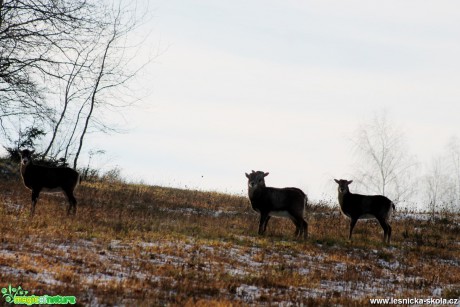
39 178
285 202
356 206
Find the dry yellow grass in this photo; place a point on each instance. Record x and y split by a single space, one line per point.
142 245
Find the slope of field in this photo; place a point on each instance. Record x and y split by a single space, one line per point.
142 245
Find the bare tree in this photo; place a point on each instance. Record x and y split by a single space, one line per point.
440 188
61 64
383 163
109 71
453 148
34 39
72 93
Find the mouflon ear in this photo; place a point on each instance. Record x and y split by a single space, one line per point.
247 175
350 181
336 180
266 174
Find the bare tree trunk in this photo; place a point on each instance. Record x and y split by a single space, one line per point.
1 13
56 127
74 130
99 77
76 70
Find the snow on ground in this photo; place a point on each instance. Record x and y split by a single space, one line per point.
357 273
114 262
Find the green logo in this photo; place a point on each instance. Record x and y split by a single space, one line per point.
10 293
18 296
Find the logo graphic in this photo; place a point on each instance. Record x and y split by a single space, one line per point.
18 296
10 293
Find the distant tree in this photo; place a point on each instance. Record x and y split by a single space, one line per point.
439 186
384 165
453 149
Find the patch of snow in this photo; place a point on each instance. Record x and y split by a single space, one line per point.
198 211
437 292
9 204
451 261
340 267
248 293
304 271
43 277
236 272
393 265
411 216
99 278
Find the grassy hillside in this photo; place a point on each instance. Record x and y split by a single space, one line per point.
142 245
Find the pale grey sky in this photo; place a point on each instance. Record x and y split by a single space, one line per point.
280 86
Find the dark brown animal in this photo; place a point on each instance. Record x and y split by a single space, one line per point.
39 178
356 206
268 201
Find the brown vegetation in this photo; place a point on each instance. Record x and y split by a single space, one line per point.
142 245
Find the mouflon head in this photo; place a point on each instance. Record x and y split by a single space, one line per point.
256 179
26 156
343 185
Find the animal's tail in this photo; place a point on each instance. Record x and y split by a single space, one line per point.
305 204
78 182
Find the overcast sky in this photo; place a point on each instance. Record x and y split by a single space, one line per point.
281 86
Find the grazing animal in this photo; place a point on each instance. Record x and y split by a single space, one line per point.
356 206
268 201
39 178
